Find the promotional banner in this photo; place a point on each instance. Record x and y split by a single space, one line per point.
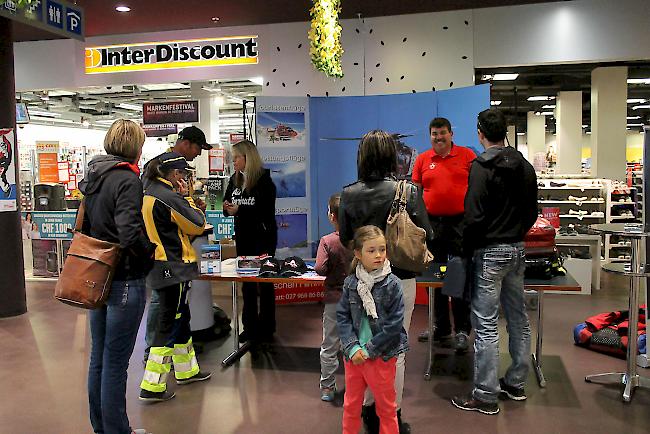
7 170
47 156
160 130
170 112
282 132
216 158
48 225
224 227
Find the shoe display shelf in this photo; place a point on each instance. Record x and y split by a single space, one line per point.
624 208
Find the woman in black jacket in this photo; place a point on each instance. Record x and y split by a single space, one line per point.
368 202
113 212
250 198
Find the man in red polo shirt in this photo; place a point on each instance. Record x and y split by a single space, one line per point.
443 173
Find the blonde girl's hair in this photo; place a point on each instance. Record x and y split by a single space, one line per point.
124 139
361 235
254 166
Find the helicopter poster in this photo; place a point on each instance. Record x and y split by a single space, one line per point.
283 140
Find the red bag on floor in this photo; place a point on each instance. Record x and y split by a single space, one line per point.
540 239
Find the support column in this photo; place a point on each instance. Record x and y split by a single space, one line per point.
568 114
608 122
208 122
12 269
511 135
536 134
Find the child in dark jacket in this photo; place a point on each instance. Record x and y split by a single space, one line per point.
369 317
332 261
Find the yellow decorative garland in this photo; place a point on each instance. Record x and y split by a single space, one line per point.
325 37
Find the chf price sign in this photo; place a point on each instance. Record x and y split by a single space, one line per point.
224 227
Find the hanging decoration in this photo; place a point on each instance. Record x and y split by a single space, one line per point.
325 37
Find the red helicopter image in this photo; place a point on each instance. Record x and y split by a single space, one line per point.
281 132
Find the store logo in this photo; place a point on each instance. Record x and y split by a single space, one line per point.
192 53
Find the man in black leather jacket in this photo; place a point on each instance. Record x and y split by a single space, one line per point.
368 202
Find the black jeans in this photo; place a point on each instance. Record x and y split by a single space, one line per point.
258 324
172 320
448 242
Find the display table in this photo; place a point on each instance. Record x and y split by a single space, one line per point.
636 233
431 279
594 244
228 274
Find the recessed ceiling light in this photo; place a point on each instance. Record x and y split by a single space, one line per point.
521 134
497 102
631 118
215 19
638 81
540 98
505 77
548 106
634 125
547 113
635 100
637 107
123 9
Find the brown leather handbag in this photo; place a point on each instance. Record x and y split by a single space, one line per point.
88 271
405 241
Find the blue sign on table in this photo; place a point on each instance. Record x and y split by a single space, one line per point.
54 14
224 227
73 20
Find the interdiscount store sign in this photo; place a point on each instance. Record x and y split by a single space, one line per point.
190 53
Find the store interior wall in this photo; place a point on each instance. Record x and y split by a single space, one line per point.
579 31
401 53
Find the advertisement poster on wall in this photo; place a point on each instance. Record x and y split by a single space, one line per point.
47 155
172 112
282 133
7 170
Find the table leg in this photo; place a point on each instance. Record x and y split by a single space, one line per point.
238 351
537 355
630 377
432 330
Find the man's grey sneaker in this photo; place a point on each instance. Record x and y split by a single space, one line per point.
511 392
148 396
461 342
201 376
327 394
470 404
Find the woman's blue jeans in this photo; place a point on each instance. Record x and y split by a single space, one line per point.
113 328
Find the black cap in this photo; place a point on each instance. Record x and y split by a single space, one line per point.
194 135
293 266
270 267
173 160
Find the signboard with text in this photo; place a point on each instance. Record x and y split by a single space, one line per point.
55 16
51 225
170 112
190 53
224 227
160 130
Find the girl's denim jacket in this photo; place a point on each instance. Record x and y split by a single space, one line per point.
388 335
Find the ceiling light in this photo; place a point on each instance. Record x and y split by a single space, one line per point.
218 101
257 80
588 132
129 106
634 125
540 98
638 81
504 77
585 126
43 113
497 102
123 9
631 118
635 100
521 134
548 106
637 107
547 114
215 19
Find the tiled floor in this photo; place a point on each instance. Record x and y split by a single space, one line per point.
45 354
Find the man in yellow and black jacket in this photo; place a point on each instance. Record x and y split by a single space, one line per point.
171 218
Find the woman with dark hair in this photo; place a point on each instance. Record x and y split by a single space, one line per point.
250 198
368 202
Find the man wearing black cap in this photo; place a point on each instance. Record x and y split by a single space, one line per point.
191 141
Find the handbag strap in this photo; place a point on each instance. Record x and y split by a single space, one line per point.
78 224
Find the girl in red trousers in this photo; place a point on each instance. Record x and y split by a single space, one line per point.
369 319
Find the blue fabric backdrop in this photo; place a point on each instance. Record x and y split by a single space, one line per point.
333 162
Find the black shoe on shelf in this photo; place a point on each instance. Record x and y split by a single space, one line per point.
469 403
510 392
148 396
201 376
